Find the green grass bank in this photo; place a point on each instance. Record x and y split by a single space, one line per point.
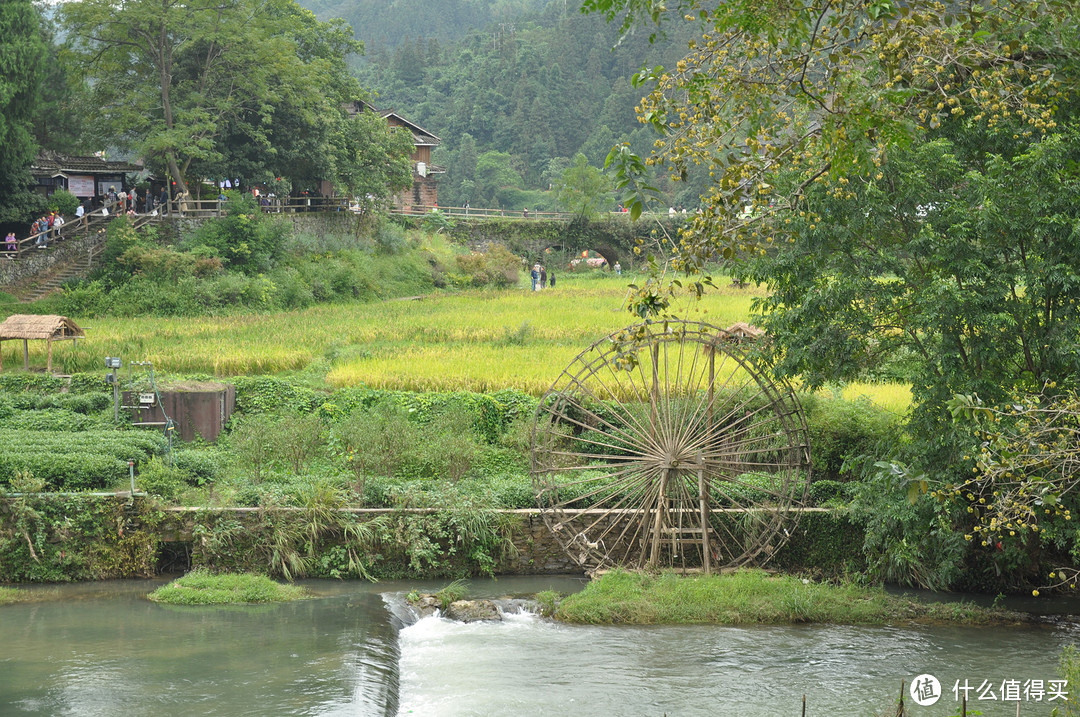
751 597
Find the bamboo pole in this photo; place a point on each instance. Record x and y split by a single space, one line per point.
26 354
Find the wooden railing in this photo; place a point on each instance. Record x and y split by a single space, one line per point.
420 210
97 220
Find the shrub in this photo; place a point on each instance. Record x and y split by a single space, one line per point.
377 441
496 267
156 477
841 430
252 440
197 466
64 202
245 239
390 238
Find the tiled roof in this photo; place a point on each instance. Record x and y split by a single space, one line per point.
48 163
421 137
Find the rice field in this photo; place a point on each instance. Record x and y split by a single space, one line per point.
475 341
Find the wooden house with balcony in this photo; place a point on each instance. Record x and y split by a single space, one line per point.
423 194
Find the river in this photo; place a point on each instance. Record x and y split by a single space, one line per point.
103 649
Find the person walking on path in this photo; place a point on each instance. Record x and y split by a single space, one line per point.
57 223
40 229
163 200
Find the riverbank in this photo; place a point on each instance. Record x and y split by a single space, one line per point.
752 597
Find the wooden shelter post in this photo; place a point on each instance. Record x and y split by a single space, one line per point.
44 328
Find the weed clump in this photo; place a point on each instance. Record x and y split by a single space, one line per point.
200 587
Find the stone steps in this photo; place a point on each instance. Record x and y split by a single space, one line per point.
55 279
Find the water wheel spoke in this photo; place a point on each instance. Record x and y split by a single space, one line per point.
673 448
563 417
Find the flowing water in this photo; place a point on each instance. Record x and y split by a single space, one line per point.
103 649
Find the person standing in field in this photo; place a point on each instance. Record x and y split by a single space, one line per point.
535 275
543 277
551 277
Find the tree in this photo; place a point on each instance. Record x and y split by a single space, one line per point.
371 160
583 189
293 136
494 171
170 76
828 89
961 265
22 57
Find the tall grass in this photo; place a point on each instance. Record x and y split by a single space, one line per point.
750 597
471 340
203 588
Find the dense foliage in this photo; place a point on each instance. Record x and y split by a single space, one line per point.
22 65
252 260
249 90
513 102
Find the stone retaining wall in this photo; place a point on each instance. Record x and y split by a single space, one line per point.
33 262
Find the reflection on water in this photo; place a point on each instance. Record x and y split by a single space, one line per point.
116 653
103 649
526 666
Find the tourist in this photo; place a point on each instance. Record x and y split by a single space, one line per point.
80 211
40 228
163 200
58 221
618 269
123 198
535 274
525 213
10 243
551 277
110 199
543 277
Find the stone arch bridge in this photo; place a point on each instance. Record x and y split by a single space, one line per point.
613 238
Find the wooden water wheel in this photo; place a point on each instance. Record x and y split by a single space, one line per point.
668 445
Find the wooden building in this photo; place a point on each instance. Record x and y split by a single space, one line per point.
423 194
82 176
28 327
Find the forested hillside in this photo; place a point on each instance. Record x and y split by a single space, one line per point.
513 100
386 23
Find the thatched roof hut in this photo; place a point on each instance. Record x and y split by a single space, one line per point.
26 327
744 331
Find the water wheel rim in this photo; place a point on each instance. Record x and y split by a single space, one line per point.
641 470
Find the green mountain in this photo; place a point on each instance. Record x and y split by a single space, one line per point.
511 100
